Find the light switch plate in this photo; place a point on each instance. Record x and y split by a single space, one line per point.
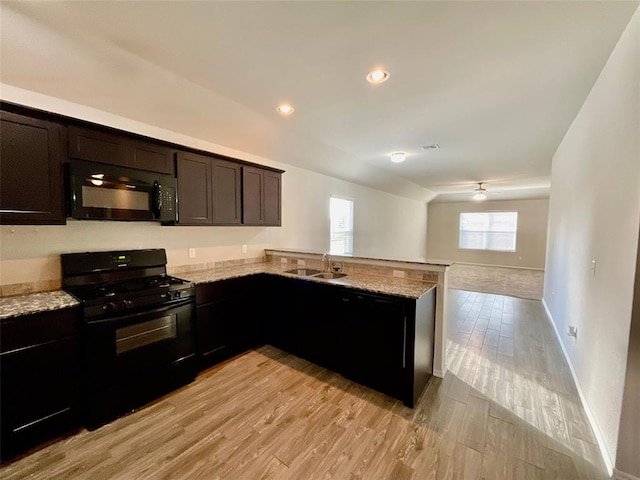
192 253
244 249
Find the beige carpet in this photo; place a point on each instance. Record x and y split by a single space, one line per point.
514 282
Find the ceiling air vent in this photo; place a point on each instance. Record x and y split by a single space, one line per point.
433 146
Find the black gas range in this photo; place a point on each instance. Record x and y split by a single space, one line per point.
138 329
113 282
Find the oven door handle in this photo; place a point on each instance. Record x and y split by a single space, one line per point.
125 315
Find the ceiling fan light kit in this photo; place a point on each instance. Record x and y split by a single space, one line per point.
480 193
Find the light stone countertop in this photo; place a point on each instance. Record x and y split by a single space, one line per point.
372 283
46 301
34 303
410 262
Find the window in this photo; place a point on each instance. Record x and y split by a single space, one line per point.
489 231
341 213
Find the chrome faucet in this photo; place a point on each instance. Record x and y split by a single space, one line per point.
326 262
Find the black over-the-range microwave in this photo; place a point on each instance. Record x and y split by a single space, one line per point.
108 192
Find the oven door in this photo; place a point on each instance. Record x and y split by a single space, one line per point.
138 345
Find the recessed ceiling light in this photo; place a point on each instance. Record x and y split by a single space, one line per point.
377 76
398 157
285 109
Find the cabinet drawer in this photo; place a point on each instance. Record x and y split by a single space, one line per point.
37 328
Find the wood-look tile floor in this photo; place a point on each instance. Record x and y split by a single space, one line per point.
506 409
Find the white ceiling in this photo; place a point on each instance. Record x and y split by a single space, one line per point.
496 84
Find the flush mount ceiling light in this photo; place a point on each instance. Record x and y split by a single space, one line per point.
377 76
398 157
284 109
480 193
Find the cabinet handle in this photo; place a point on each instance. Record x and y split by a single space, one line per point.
404 342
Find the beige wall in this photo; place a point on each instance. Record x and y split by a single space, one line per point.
444 224
594 213
385 225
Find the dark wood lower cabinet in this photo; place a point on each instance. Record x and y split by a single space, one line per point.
39 364
381 341
227 319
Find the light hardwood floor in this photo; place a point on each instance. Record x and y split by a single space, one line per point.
506 409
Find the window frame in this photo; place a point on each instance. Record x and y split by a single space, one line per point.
515 247
350 232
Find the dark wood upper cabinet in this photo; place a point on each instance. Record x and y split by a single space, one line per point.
252 196
227 192
261 197
31 186
272 198
195 195
103 147
147 156
95 146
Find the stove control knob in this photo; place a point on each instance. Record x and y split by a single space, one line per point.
109 307
126 304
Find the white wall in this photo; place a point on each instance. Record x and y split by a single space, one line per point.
385 225
594 213
444 225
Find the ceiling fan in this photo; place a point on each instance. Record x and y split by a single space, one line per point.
480 193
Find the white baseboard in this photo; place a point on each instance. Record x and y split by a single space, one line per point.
438 373
618 475
592 420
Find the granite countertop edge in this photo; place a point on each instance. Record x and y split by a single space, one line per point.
56 300
39 302
412 289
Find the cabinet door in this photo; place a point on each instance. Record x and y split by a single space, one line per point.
95 146
214 333
316 327
31 186
272 198
372 341
228 318
147 156
39 381
194 189
227 199
252 196
282 308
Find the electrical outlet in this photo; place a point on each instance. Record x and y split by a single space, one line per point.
244 249
192 253
301 263
398 273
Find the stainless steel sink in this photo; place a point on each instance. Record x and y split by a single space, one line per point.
304 272
329 275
